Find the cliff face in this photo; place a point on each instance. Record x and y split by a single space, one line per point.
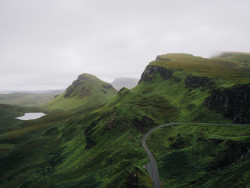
233 103
85 90
151 71
196 81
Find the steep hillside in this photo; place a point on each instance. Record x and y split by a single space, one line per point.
224 71
203 89
202 155
28 99
129 83
85 92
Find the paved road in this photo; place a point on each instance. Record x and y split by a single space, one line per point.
152 166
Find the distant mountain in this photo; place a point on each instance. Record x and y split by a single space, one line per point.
85 92
129 83
29 99
31 91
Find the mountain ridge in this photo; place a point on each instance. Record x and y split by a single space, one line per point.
85 92
101 146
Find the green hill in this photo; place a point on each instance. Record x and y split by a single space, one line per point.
101 146
85 92
202 89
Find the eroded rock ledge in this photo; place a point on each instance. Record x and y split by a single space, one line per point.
197 81
233 103
151 71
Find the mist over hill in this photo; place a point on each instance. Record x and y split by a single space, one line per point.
129 83
29 98
92 134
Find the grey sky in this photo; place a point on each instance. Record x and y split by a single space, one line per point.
45 44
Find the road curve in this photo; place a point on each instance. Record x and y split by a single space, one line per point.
152 166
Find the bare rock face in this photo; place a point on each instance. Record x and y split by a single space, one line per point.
151 71
80 84
233 102
196 81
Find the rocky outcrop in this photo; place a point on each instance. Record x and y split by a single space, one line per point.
140 124
151 71
79 84
196 81
233 103
235 151
143 124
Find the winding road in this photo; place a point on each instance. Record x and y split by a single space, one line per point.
152 166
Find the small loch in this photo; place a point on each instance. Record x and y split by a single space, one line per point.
30 116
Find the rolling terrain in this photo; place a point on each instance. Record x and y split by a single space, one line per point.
28 99
92 135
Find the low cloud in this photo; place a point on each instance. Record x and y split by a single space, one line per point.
46 44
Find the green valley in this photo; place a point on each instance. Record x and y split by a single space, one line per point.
92 134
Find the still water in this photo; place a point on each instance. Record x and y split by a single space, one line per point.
29 116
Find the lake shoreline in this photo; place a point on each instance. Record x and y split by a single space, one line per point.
31 116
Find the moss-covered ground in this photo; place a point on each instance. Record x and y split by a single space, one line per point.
224 71
98 144
202 155
67 149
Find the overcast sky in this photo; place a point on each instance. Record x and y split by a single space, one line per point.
45 44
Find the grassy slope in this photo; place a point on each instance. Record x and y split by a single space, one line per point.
225 71
8 113
202 155
189 102
94 94
100 147
242 59
114 156
52 152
